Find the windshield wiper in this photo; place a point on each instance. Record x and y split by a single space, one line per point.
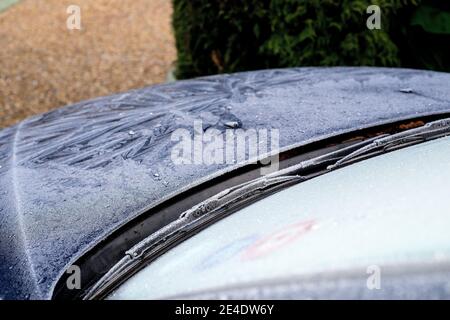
429 131
220 205
211 209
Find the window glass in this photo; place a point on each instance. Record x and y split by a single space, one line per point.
388 210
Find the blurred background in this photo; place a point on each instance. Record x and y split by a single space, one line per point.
122 44
125 44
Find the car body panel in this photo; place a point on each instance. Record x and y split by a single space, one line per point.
70 177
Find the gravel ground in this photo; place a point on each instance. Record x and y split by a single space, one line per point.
123 44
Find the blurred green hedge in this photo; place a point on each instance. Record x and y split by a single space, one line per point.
217 36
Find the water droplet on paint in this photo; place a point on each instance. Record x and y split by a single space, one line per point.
232 124
407 90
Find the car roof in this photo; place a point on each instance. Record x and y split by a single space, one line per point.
70 177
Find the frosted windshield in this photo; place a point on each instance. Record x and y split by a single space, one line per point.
391 209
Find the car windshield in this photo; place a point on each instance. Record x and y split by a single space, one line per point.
384 211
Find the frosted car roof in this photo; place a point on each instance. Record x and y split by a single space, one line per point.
70 177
